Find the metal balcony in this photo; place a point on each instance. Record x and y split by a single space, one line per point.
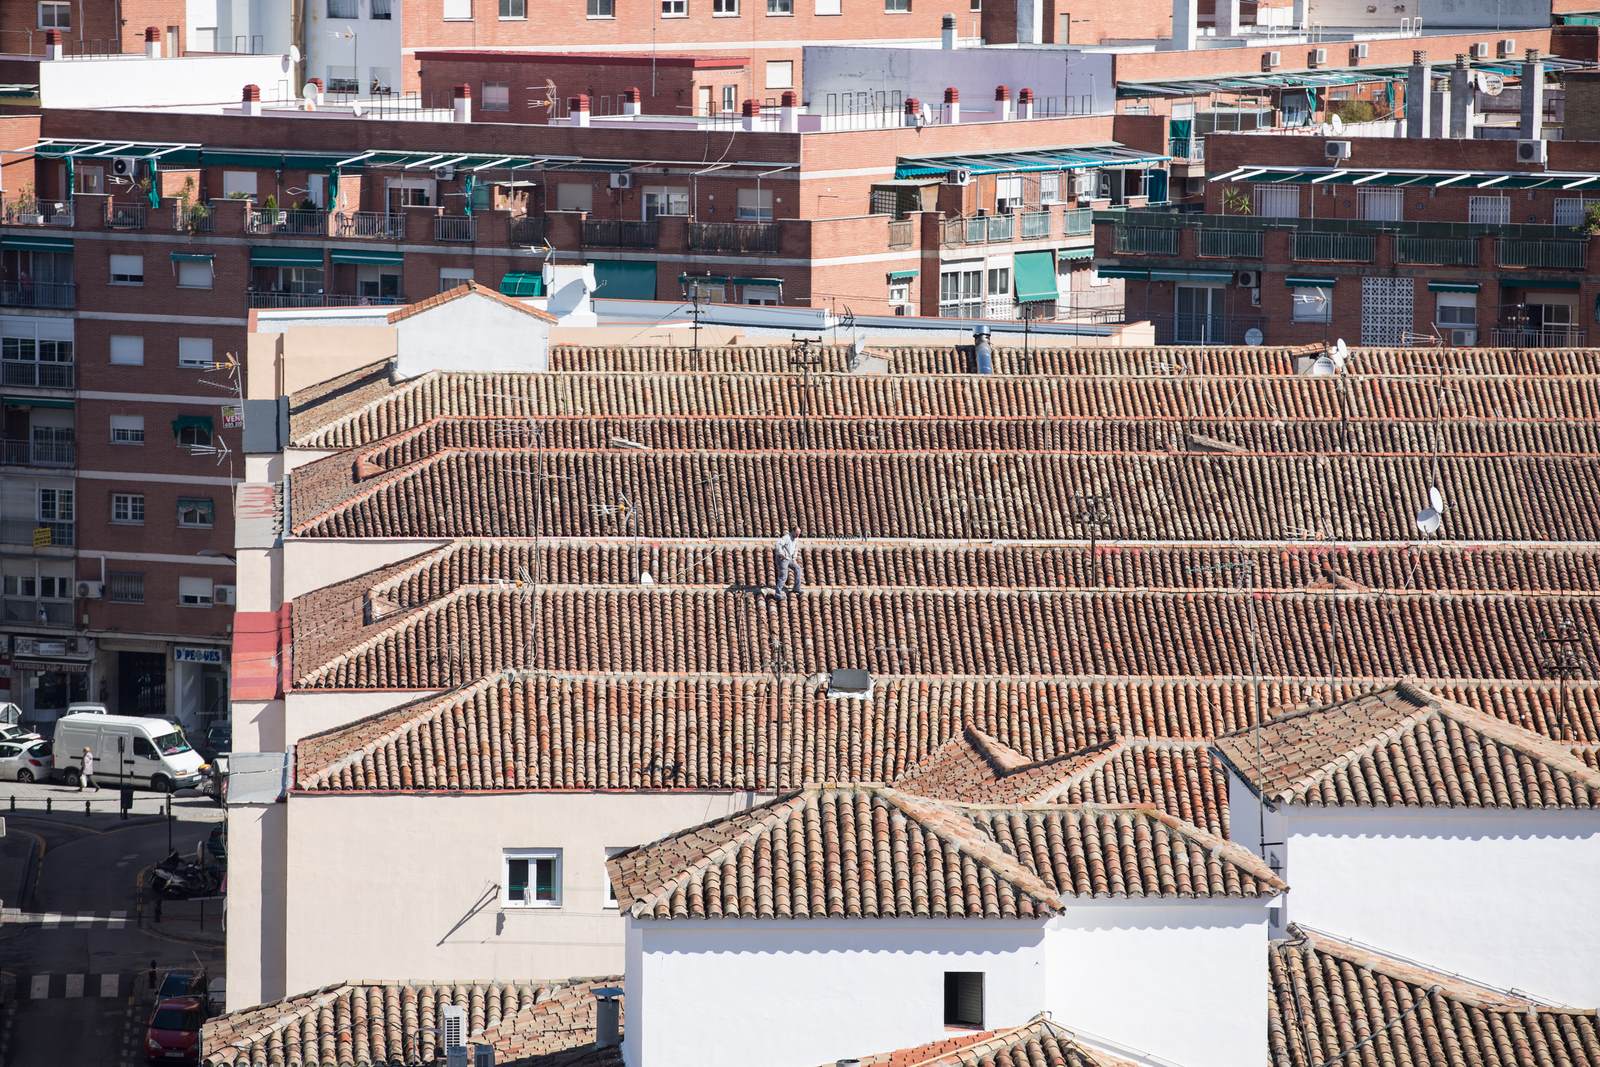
38 294
1333 247
1550 254
38 534
1077 221
127 216
33 375
526 231
38 612
733 236
1035 224
300 223
1229 244
1146 240
453 228
380 224
320 300
23 453
1537 337
619 233
1440 251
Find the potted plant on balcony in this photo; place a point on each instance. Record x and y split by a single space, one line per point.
1589 225
192 214
1235 201
25 208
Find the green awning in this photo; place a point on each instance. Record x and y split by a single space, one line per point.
1122 272
1034 276
36 402
191 422
1452 287
625 279
373 256
522 284
271 256
741 280
1299 280
1191 276
703 279
193 257
18 242
1538 283
1086 252
902 275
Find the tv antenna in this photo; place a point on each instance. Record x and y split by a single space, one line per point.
1563 659
807 357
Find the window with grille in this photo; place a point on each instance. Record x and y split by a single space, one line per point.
1274 201
531 878
1489 210
1569 210
125 587
1383 205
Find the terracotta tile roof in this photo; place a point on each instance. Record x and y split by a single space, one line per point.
327 402
474 631
1334 1003
1138 394
1037 1043
860 851
973 767
539 731
395 1024
983 495
1405 747
468 288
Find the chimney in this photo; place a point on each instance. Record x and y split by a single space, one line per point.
913 111
631 101
749 111
461 98
1025 104
982 351
1228 19
952 106
607 1017
1531 127
1002 102
152 42
52 45
320 91
1419 83
1461 99
1184 26
947 33
789 112
578 109
250 100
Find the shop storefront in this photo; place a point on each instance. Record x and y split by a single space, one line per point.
48 674
200 677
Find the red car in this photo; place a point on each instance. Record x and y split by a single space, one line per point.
174 1032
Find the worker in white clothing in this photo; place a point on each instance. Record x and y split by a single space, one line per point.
786 556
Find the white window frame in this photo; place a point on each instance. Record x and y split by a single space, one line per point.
608 892
1382 205
195 274
725 9
899 293
658 200
518 10
601 9
57 8
532 856
1311 304
453 277
496 96
457 11
827 7
196 353
63 505
127 509
127 429
730 99
780 74
1275 201
1007 194
1050 188
753 205
182 525
674 9
780 8
126 350
897 7
125 269
190 594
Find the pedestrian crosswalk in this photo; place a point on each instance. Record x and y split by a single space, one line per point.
74 986
79 921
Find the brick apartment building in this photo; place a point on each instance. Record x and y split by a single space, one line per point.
92 27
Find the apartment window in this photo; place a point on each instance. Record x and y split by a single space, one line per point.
665 200
827 7
780 7
605 877
382 9
1456 315
194 273
999 281
194 592
897 7
963 999
755 205
674 9
602 9
127 270
127 350
56 505
724 7
961 292
55 15
452 277
1383 205
196 512
531 878
342 80
899 292
574 196
127 508
192 431
1570 210
780 74
513 9
1312 303
457 9
195 352
1008 194
1049 188
1489 210
1279 202
127 429
125 587
495 96
242 183
344 9
382 81
730 98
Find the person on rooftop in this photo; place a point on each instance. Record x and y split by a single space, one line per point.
786 556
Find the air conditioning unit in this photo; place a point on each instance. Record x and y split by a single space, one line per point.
1464 338
1247 279
1480 50
453 1027
1336 149
959 176
1506 47
1270 60
1317 57
446 174
224 594
1533 151
91 590
1084 183
621 181
124 166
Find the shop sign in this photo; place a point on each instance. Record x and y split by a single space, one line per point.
45 666
232 416
203 654
38 646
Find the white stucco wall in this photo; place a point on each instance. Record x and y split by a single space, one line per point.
355 863
799 992
1186 982
925 73
311 563
1503 897
255 903
155 83
311 711
502 339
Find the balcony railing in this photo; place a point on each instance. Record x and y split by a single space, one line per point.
40 213
1443 251
1077 221
1537 337
1554 253
1333 247
305 223
1147 240
526 231
38 294
979 229
1187 148
619 233
46 612
1205 329
1230 244
28 532
126 216
1035 224
196 218
379 224
26 372
901 234
319 300
25 453
733 236
453 228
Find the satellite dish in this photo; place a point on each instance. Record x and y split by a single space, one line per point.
1324 367
1338 125
1490 83
645 578
1429 521
294 53
308 93
356 109
1253 336
1340 353
1435 499
925 115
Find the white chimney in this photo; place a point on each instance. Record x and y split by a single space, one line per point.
947 33
578 110
607 1017
250 100
1228 19
152 42
1531 126
913 111
789 112
1002 102
952 106
461 98
1025 104
1419 84
1185 27
630 102
52 45
749 111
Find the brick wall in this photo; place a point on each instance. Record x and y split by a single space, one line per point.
94 25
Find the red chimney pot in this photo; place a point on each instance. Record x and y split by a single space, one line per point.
952 95
151 33
1002 92
252 92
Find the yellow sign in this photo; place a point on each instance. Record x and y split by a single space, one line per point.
41 537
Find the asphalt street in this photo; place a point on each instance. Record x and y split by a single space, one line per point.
76 939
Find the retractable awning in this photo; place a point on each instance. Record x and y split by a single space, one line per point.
1123 272
625 279
17 242
1323 77
1070 157
1034 275
193 257
1539 283
1427 179
269 256
371 256
1300 281
1452 287
522 284
36 402
1086 252
902 275
191 422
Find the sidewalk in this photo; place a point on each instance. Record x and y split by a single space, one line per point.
194 922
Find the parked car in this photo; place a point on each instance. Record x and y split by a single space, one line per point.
87 707
219 739
180 984
17 733
173 1035
128 749
26 760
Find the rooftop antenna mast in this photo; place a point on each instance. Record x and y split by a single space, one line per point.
1563 659
807 357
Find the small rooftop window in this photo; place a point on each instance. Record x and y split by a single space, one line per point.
854 684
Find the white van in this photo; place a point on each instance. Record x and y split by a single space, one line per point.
129 749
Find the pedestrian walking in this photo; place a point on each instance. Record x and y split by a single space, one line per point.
786 557
86 776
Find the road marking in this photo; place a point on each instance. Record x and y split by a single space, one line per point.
39 987
74 986
109 984
119 916
49 918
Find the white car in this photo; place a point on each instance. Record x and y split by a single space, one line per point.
27 760
17 733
